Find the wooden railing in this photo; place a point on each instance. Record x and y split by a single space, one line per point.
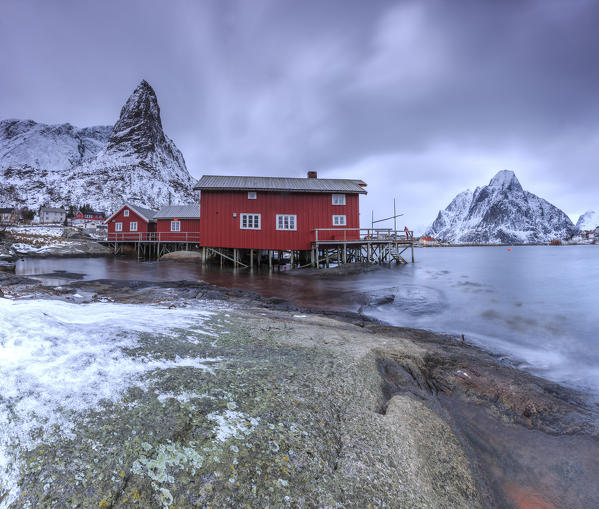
153 237
366 234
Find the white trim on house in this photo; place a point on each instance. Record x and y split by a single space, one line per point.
286 222
339 220
126 213
118 227
338 199
248 221
175 226
133 226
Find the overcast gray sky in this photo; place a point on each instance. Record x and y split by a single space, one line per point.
422 99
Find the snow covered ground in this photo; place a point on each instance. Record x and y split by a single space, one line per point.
41 230
59 360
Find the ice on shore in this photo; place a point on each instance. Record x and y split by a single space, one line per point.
58 359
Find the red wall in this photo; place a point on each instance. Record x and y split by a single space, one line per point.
191 227
142 225
313 210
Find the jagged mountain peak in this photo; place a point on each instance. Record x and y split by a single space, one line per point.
505 179
100 166
501 212
139 123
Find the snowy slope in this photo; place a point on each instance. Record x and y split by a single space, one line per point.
136 162
588 221
501 212
52 147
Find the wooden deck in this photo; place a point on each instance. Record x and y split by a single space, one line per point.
330 246
361 245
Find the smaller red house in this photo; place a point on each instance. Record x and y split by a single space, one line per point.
88 217
131 223
178 223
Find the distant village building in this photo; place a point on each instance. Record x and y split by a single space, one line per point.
178 223
8 215
276 213
428 241
131 222
86 218
50 215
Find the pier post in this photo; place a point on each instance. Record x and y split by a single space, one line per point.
327 257
412 252
291 258
312 263
203 256
251 258
344 253
270 259
235 257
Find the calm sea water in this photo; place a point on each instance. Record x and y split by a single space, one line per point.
537 305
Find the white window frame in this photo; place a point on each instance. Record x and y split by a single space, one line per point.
286 222
133 226
252 195
118 227
175 226
340 220
250 224
338 199
126 213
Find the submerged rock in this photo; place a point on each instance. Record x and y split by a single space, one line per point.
184 256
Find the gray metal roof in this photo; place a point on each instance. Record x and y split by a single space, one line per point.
147 214
178 211
52 209
294 185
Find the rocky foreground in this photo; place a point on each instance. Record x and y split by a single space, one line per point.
48 241
220 398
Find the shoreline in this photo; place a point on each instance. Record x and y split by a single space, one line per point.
494 411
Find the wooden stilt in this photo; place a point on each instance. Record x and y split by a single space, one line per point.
270 259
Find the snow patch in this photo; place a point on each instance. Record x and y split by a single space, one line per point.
58 359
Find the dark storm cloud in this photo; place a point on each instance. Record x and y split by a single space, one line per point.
421 99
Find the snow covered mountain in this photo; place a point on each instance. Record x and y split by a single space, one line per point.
588 221
134 160
501 212
53 147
